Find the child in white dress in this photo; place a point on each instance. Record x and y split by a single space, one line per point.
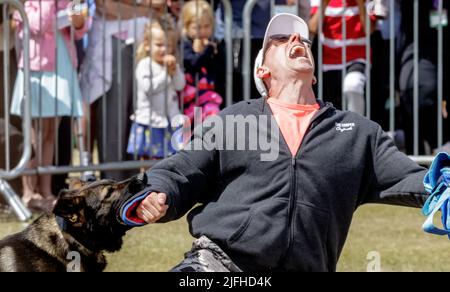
157 113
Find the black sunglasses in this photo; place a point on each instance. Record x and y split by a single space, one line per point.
285 37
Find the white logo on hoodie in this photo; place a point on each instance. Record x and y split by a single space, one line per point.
342 127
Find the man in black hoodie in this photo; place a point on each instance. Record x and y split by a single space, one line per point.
287 207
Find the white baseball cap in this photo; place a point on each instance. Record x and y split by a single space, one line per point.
280 24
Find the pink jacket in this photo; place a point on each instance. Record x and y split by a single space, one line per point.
42 19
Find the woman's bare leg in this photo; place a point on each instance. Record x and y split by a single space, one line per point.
84 134
29 182
49 128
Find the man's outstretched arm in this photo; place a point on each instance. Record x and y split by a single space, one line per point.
174 186
395 178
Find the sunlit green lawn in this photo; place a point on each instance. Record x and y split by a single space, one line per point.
393 232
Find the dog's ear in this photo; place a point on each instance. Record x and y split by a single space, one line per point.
76 184
134 184
71 208
138 183
64 193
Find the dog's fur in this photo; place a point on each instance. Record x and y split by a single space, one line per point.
83 221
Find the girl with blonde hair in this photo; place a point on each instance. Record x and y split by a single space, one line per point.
157 113
202 59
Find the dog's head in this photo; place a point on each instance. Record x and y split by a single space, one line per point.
89 210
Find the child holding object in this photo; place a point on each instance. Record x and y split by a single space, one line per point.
202 59
157 113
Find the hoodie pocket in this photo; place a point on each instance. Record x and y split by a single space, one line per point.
242 228
309 247
262 235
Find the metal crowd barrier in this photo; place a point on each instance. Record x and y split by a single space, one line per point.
9 173
112 141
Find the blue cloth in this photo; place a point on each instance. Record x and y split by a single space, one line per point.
125 210
46 101
149 142
437 182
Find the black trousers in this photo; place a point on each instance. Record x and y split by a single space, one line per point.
428 114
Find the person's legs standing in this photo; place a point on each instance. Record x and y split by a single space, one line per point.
64 157
332 90
427 103
85 133
354 83
29 182
49 126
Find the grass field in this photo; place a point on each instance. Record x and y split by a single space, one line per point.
394 232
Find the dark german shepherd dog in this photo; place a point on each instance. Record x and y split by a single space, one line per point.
73 238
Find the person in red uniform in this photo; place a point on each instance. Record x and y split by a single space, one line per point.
333 41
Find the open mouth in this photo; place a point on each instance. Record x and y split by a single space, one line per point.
297 52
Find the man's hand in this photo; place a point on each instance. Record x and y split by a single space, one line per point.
152 208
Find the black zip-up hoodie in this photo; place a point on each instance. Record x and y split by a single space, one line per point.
293 213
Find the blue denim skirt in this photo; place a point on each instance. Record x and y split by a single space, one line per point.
153 142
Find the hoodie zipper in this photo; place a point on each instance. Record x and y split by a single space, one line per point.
292 203
293 189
